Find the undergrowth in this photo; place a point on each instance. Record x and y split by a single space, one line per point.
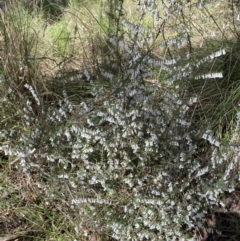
118 122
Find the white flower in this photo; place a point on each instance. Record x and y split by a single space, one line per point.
63 176
135 147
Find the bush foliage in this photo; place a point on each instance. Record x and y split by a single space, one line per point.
124 127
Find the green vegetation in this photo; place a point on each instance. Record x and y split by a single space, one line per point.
119 120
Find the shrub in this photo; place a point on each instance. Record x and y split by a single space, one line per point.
129 160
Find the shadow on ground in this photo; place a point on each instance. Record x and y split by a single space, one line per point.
223 225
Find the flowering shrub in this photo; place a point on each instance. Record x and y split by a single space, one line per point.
139 162
126 163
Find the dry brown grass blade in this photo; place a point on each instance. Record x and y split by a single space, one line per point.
13 236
